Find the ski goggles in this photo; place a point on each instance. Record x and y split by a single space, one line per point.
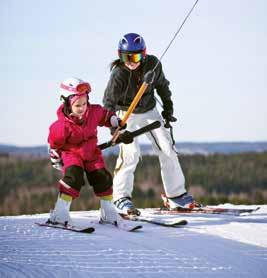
130 57
79 89
84 87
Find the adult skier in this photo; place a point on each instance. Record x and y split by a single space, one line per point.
127 75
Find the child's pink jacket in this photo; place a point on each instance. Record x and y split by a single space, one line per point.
76 140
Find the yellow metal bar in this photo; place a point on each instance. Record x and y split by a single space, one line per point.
130 109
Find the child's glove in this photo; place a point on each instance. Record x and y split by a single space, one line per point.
55 159
115 122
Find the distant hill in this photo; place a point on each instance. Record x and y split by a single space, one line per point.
188 148
221 147
36 151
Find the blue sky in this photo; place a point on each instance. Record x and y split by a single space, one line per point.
217 66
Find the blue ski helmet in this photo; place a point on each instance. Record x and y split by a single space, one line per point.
132 43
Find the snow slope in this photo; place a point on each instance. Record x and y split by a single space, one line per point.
209 246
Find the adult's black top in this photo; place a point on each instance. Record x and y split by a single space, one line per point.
124 84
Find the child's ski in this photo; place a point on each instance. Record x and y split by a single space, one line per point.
161 222
86 230
123 225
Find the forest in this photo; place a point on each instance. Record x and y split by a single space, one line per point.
28 185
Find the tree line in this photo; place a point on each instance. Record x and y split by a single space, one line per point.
29 185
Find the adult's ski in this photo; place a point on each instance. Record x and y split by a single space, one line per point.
205 209
85 230
161 222
202 209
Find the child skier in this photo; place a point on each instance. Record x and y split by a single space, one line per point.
73 149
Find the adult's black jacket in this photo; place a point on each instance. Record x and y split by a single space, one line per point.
124 84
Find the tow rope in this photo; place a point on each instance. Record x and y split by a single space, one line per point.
148 79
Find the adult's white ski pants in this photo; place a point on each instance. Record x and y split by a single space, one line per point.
160 138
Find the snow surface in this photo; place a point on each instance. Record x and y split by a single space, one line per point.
209 246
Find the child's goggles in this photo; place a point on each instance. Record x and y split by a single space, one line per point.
130 57
80 88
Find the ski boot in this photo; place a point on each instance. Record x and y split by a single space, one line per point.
109 215
184 201
60 214
125 205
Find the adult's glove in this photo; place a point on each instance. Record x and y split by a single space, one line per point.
126 137
55 159
168 117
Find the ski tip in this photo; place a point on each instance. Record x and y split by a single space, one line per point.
175 224
136 228
88 230
247 211
181 223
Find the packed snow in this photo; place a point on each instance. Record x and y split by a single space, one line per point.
209 246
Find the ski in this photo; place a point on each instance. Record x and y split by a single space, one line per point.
123 225
160 222
86 230
205 209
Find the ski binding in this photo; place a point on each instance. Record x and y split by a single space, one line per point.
123 225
